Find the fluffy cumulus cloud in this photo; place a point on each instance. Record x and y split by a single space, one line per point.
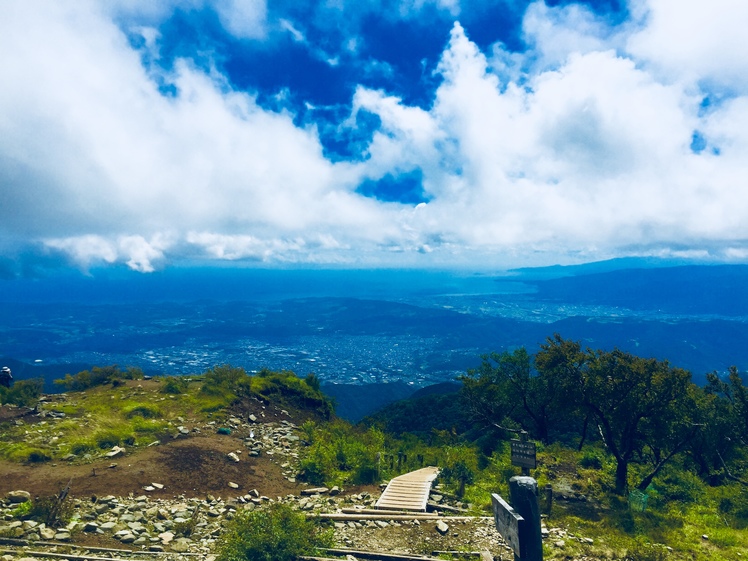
598 139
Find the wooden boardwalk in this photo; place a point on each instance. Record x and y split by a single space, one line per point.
409 491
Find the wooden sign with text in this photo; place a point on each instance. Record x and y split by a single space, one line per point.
523 454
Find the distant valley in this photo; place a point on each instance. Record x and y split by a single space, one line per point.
353 328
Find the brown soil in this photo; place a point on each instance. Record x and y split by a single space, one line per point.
193 465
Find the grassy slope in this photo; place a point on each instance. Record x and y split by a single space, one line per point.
680 508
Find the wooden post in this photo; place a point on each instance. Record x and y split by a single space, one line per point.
524 496
548 499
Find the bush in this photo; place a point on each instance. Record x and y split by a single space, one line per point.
277 533
22 452
23 393
110 438
51 511
97 376
340 453
173 385
79 447
591 459
144 411
225 377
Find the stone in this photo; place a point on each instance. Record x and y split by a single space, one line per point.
181 545
158 486
114 452
334 491
442 527
314 491
17 497
559 543
128 538
47 533
166 537
232 456
62 536
253 418
233 485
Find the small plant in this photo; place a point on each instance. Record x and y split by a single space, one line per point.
54 511
22 510
188 526
276 533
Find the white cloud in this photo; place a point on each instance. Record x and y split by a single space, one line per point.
693 41
580 146
243 18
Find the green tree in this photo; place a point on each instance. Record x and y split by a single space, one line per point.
726 424
506 392
644 409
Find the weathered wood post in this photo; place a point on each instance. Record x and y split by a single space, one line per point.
523 491
548 499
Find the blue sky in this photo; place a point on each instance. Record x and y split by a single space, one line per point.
368 133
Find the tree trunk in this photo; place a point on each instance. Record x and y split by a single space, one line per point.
622 471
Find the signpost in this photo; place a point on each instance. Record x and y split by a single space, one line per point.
523 455
508 523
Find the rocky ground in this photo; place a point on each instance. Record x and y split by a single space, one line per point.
179 494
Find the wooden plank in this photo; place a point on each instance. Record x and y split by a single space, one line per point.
383 516
380 556
507 523
409 491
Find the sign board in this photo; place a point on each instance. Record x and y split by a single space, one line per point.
523 454
507 522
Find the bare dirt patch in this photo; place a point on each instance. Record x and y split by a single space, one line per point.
190 466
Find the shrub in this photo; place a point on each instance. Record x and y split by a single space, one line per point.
276 533
24 392
144 411
591 459
97 376
22 452
225 377
173 385
79 447
109 438
679 485
340 453
51 511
